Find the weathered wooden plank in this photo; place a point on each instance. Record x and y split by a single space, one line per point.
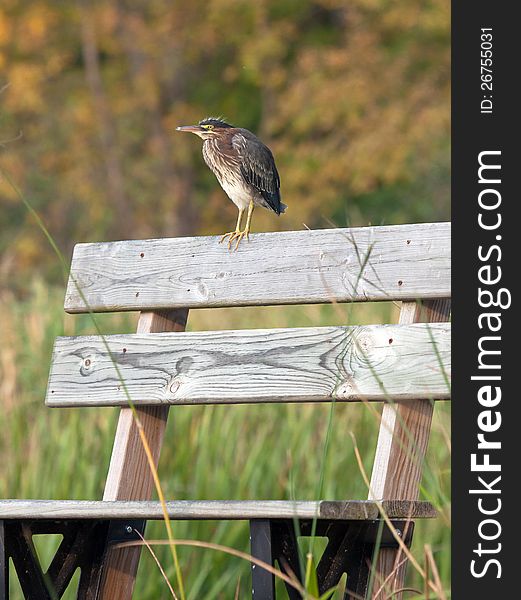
375 363
130 475
396 262
402 444
212 509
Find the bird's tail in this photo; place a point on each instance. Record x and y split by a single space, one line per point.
272 200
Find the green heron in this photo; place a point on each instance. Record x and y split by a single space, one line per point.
244 167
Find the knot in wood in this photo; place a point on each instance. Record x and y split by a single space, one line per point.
364 343
346 389
371 346
174 386
202 291
86 366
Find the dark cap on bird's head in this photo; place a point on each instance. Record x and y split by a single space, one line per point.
208 127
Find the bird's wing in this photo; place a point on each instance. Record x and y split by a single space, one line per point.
258 167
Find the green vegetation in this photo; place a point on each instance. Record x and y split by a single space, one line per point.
353 98
261 452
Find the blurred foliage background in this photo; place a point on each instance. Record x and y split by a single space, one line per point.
352 96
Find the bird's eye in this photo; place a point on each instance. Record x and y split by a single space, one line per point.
208 127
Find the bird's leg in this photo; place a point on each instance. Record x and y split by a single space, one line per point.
238 236
233 234
246 231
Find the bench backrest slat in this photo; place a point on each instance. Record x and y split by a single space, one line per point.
376 363
399 262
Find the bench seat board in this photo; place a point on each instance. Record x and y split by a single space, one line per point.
397 262
212 509
374 363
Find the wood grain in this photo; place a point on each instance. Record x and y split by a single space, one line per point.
374 363
402 444
129 476
212 509
397 262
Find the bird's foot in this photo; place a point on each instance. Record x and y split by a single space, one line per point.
235 236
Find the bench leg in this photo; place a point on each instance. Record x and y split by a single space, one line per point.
390 567
400 452
274 541
25 559
350 549
358 572
262 582
286 553
4 565
92 562
129 476
84 546
346 552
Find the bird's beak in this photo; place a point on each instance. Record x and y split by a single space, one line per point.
190 128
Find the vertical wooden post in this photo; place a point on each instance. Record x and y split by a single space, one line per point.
129 476
400 452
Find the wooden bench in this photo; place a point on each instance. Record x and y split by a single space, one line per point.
405 366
